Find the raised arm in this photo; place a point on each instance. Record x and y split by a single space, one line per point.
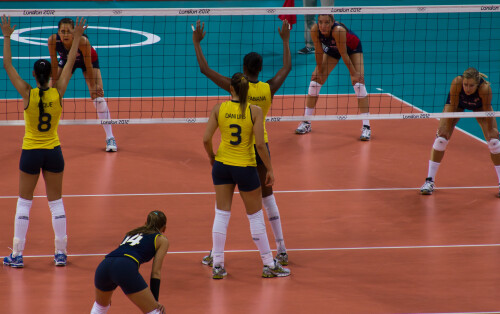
276 82
212 125
21 86
62 83
260 144
198 35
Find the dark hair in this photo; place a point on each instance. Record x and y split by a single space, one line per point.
154 223
240 84
252 62
474 74
42 69
66 20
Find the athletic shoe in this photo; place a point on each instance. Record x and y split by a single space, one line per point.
111 145
282 259
218 272
208 260
428 187
16 262
60 259
366 133
306 50
276 271
304 127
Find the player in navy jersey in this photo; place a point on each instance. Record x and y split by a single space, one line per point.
333 41
121 267
88 61
469 91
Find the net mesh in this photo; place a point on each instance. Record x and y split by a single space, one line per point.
150 73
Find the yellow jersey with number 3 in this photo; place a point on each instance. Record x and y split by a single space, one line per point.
259 94
41 129
236 129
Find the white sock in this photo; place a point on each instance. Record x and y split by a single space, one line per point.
219 231
259 236
157 311
309 111
273 215
99 309
433 168
103 113
59 225
366 121
21 223
497 168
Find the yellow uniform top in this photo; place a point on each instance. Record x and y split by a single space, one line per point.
259 94
236 147
41 130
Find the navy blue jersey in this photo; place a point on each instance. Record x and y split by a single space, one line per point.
469 102
330 45
140 247
63 53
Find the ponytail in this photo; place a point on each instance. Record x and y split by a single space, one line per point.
240 84
474 74
155 221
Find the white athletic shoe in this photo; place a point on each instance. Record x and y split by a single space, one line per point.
366 133
428 187
304 127
111 145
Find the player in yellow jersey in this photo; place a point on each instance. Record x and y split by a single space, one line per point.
261 94
234 164
41 148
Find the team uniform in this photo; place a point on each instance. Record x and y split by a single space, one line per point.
235 161
79 62
329 44
41 147
259 94
469 102
121 266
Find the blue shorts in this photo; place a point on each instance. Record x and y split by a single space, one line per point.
119 271
257 157
32 160
246 178
334 53
78 65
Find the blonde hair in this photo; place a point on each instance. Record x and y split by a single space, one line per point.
473 73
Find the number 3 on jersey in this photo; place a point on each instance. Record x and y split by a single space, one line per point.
133 240
236 134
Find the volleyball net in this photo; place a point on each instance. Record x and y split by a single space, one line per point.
151 75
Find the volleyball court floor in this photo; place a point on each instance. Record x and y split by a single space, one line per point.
360 237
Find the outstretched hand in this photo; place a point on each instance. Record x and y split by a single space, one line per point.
80 27
284 31
198 32
5 25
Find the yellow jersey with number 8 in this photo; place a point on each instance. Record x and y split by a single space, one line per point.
41 128
236 146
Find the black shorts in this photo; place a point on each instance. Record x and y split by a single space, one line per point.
32 160
119 271
334 53
246 178
257 157
79 65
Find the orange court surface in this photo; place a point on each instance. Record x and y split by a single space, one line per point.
360 237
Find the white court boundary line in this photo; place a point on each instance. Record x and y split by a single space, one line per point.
362 248
278 192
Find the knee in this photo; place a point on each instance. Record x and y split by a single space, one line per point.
494 146
360 90
100 104
314 88
440 143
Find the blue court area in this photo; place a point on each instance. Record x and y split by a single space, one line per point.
411 56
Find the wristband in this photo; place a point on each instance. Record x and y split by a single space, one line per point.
154 285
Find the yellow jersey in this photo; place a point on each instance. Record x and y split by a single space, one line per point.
236 147
41 130
259 94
